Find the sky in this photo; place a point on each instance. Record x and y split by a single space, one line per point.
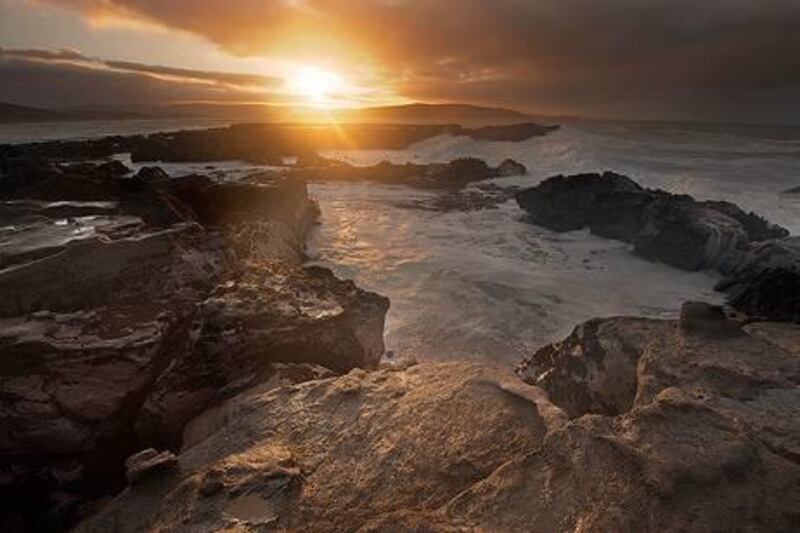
724 60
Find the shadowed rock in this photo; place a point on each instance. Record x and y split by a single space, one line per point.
674 229
766 283
445 176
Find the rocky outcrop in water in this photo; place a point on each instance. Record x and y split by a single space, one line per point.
266 144
761 262
675 229
125 316
451 176
628 425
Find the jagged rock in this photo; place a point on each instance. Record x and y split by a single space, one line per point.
674 229
267 317
149 463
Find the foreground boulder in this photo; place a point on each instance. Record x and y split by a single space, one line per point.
629 425
373 450
688 425
674 229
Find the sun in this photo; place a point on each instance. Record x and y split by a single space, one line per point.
315 85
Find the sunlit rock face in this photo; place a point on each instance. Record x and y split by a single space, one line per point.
677 425
628 425
364 450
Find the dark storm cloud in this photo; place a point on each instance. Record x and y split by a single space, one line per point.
547 54
223 78
39 78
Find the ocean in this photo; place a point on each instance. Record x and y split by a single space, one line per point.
487 285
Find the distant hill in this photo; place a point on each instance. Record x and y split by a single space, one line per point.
465 115
419 114
12 113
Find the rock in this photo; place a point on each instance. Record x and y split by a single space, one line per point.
572 203
675 426
112 169
509 168
94 272
675 422
766 284
152 174
248 325
690 237
510 133
674 229
346 452
149 463
451 176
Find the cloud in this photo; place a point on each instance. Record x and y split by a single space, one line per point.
65 78
223 78
545 54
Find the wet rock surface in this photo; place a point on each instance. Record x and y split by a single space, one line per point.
628 425
127 310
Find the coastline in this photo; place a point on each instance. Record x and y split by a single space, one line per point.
231 368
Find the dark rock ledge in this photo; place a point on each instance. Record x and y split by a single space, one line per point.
135 302
759 259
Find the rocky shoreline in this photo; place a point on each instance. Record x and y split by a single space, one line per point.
161 340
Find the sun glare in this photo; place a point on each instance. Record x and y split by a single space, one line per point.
316 85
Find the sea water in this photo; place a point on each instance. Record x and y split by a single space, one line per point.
486 284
